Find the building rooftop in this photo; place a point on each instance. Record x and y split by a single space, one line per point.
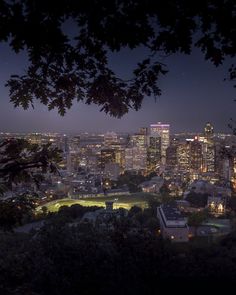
170 216
171 212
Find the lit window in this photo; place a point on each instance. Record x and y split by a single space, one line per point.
220 208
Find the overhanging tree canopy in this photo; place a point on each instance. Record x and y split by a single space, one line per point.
63 67
21 161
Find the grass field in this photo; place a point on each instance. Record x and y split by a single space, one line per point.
123 201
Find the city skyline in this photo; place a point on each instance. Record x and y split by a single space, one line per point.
200 131
117 146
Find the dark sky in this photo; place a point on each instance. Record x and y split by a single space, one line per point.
193 93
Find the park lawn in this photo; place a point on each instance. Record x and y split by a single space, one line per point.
122 201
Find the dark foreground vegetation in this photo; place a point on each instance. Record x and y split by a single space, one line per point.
66 257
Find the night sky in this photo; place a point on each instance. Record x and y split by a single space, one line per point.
193 93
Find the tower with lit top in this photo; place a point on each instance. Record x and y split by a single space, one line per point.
208 131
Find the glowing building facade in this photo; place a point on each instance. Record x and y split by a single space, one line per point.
154 153
183 156
208 131
136 159
162 130
196 155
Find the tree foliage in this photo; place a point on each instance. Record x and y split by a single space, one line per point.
68 46
197 199
197 218
21 161
69 260
14 210
132 180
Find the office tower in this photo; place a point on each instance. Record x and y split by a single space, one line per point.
143 131
136 158
208 153
92 163
120 158
208 131
171 157
115 156
138 140
154 154
110 138
107 156
208 149
196 155
162 130
64 144
75 143
183 156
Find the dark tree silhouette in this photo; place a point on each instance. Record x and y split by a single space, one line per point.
21 161
67 66
14 210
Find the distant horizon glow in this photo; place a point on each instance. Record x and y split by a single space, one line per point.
193 93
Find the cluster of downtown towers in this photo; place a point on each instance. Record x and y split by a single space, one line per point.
182 157
152 149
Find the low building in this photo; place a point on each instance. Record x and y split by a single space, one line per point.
153 185
172 223
216 204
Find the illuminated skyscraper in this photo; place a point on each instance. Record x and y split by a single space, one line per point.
171 157
75 143
110 138
154 153
208 131
136 158
162 130
138 140
183 156
107 156
208 151
114 156
196 155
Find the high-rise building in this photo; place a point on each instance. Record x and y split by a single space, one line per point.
154 153
196 155
208 149
143 131
115 156
171 157
138 140
183 156
110 138
75 143
136 158
208 131
162 130
107 156
208 153
120 158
